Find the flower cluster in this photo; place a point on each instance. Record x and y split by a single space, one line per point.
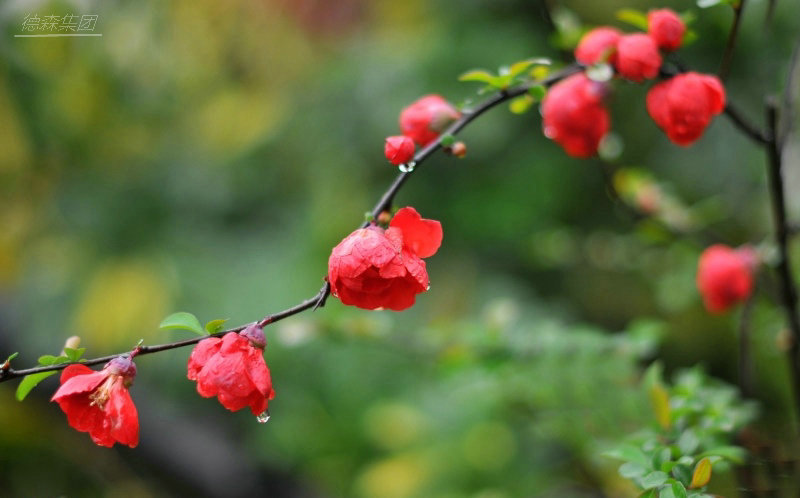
373 268
573 111
421 123
725 276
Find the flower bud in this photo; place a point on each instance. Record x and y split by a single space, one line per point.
398 149
426 118
122 366
459 149
637 57
598 45
666 29
255 335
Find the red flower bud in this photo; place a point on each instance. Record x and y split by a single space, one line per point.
637 57
598 45
426 118
374 268
725 276
574 116
683 105
399 149
99 402
232 368
666 29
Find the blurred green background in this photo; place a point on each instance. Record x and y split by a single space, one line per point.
206 155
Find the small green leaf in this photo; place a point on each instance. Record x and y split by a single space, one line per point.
704 4
74 354
29 382
689 37
628 453
733 453
447 140
702 474
678 489
518 68
688 442
537 92
480 75
49 359
11 357
650 493
633 17
521 104
182 320
653 479
629 470
215 326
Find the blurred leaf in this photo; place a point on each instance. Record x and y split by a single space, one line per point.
49 359
518 68
630 470
74 354
628 453
29 382
182 320
537 92
704 4
689 36
481 76
521 104
658 395
215 326
650 493
688 441
733 453
653 479
702 473
633 17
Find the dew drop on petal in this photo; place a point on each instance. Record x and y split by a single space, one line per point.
428 287
263 418
403 168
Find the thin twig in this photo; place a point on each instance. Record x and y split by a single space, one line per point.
727 56
783 268
383 204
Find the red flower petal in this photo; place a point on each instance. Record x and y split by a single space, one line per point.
423 237
78 379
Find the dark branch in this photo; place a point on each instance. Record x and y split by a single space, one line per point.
727 56
385 202
787 285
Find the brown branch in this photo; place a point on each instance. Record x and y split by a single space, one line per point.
383 204
727 56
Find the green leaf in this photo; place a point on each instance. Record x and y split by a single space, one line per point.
518 68
521 104
74 354
537 92
11 357
49 359
29 382
688 442
733 453
182 320
653 479
702 473
628 453
215 326
650 493
633 17
629 470
689 37
447 140
678 489
482 76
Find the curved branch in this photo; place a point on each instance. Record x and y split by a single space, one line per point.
385 202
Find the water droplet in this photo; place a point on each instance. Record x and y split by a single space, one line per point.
428 287
263 418
403 168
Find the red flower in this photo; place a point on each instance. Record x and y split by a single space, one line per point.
725 276
398 149
99 402
598 45
233 369
637 57
423 120
374 268
666 29
683 105
574 116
